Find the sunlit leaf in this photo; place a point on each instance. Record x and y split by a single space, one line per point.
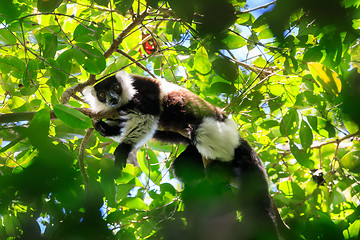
134 203
292 190
290 123
149 164
351 126
351 161
306 135
326 78
233 41
202 64
301 156
353 231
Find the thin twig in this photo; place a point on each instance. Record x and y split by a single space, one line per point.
256 8
83 172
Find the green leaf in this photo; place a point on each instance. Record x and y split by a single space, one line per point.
306 135
62 68
268 124
102 2
6 37
225 69
39 127
123 5
12 65
202 64
48 5
313 54
83 33
290 123
184 9
134 203
149 164
265 34
326 78
30 73
48 44
221 87
88 33
11 224
351 161
153 3
351 126
11 144
301 156
353 231
292 190
72 117
233 41
9 10
91 59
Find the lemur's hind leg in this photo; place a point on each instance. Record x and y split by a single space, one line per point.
188 166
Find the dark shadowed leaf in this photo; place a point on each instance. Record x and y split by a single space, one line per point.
48 5
185 13
123 5
225 69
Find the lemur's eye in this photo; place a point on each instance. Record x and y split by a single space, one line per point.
102 95
116 87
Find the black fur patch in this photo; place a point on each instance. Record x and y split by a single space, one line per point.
147 97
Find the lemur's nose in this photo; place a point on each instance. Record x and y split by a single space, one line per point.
113 101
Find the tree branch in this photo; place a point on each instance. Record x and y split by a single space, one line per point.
83 172
28 116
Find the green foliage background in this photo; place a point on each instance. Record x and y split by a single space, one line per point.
287 77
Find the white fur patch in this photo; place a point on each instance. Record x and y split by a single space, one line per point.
167 87
128 90
89 94
139 128
217 140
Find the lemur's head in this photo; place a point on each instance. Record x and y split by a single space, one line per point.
109 91
112 92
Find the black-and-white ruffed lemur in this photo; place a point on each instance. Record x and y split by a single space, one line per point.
155 108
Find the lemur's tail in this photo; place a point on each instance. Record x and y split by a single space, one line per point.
258 210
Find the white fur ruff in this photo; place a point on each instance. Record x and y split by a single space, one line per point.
128 90
217 140
89 94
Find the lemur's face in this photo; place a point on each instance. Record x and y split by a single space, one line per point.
109 91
